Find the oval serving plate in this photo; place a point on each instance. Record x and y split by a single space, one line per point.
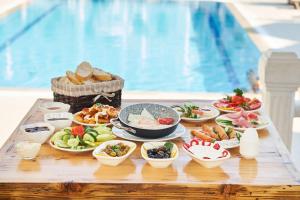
214 113
71 150
261 118
231 111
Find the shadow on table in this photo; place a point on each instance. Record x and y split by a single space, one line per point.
248 169
159 174
121 171
29 165
193 170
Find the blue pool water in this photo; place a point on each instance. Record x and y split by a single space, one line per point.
155 45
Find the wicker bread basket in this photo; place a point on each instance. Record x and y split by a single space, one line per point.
84 96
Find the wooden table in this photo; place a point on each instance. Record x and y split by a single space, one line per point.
60 174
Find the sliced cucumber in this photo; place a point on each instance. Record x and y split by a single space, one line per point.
88 137
60 143
58 135
92 144
92 132
73 142
65 138
105 137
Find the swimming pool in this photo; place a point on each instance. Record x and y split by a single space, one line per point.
154 45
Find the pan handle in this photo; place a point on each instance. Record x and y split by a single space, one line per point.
117 124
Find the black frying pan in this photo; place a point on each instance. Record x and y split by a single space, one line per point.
158 111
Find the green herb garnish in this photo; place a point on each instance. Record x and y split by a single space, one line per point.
238 92
168 146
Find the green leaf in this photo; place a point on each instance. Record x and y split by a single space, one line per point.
168 146
238 92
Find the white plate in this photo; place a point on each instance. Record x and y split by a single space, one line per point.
179 131
71 150
85 124
214 113
261 118
229 144
232 111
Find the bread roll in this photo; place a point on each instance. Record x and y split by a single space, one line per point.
84 71
101 75
65 80
71 76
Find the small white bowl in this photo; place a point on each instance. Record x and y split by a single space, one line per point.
205 153
59 124
112 161
158 162
54 107
28 150
39 136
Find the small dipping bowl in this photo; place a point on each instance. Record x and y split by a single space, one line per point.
158 162
105 159
59 120
28 150
39 136
54 107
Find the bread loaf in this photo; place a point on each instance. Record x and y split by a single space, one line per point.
84 71
101 75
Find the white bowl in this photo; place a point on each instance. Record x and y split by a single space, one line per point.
54 107
39 136
112 161
198 150
158 162
59 124
28 150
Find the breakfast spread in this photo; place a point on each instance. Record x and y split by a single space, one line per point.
36 129
215 133
146 120
37 132
206 153
79 138
116 150
242 120
28 150
51 107
97 114
161 152
237 102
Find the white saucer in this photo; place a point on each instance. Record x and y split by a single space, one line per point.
179 131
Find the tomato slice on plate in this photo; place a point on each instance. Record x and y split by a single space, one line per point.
166 121
78 130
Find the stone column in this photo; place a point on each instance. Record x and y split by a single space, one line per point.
280 77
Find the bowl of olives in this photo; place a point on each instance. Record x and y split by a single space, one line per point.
159 154
114 152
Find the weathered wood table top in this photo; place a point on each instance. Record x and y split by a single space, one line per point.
56 173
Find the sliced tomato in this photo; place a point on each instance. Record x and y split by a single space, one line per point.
252 116
254 104
166 120
237 100
78 131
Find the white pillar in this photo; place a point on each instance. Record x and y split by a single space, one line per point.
280 77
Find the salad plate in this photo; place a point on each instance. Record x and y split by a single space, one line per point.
179 131
79 139
237 102
242 120
190 112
